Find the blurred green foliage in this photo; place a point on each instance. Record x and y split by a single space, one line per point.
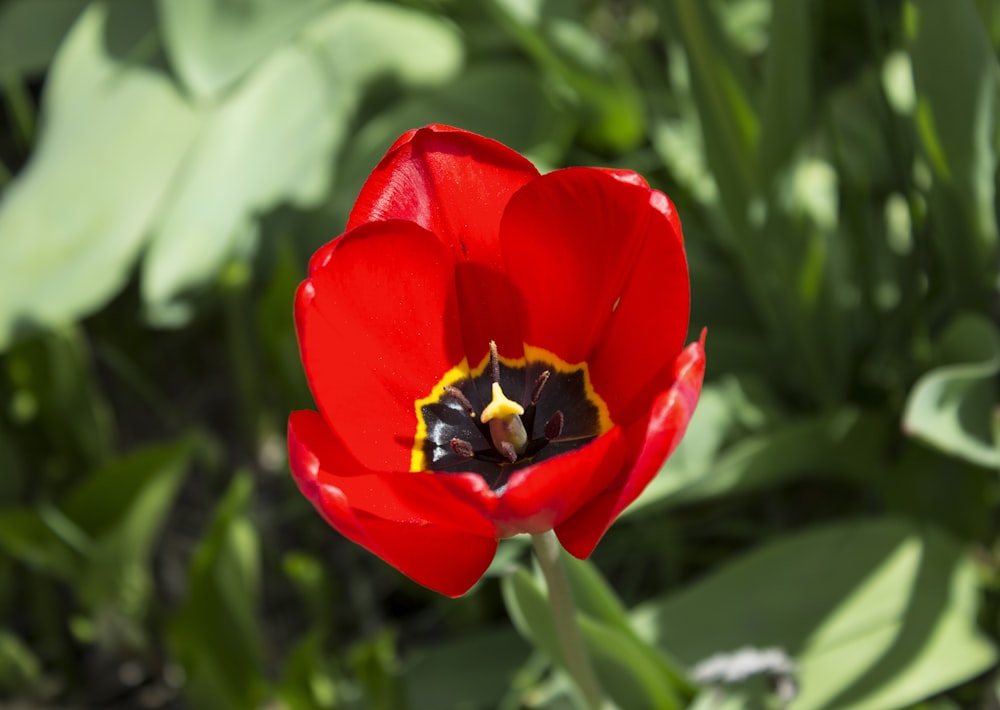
168 166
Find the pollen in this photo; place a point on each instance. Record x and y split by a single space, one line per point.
501 407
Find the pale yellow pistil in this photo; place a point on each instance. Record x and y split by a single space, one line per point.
504 417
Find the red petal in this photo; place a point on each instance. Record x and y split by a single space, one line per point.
432 536
456 184
600 269
540 497
451 182
378 328
651 441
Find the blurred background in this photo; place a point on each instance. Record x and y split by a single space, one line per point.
827 535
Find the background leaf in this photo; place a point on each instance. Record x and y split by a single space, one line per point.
876 614
61 264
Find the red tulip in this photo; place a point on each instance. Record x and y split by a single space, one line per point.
430 444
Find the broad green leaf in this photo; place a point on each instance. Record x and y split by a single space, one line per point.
212 43
364 41
828 444
274 139
267 142
73 222
631 672
954 407
876 614
473 671
214 635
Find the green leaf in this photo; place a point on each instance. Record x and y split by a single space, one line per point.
876 614
718 82
26 537
364 41
609 104
955 73
473 671
122 509
788 84
309 680
20 668
274 138
706 465
214 635
131 495
268 141
73 222
212 43
630 671
953 407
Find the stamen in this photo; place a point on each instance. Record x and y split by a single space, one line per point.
554 426
461 447
536 392
459 396
494 362
507 449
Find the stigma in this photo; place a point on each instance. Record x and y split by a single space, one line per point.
504 416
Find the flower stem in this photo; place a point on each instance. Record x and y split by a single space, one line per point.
548 551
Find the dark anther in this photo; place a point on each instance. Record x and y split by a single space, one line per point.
536 392
494 362
459 396
554 426
462 448
507 451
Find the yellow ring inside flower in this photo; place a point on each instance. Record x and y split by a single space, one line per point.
569 390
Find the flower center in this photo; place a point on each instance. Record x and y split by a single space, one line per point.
505 415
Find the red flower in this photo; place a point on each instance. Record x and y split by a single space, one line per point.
578 277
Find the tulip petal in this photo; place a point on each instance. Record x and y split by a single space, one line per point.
600 266
456 184
378 327
653 440
423 531
450 182
540 497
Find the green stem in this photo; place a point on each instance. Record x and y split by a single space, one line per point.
549 551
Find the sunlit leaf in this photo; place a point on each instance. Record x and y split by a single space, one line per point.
267 142
876 614
953 407
363 41
212 43
72 224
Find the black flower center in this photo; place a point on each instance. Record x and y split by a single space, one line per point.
505 415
